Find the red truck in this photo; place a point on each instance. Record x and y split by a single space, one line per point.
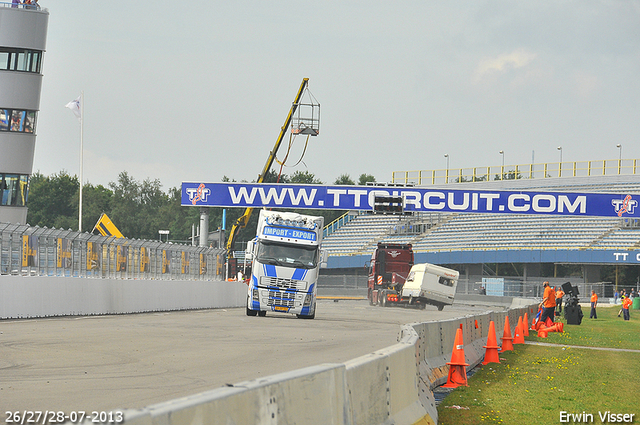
395 280
388 271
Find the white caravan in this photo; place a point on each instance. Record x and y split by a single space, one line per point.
431 284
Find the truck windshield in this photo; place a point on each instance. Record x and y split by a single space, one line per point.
279 254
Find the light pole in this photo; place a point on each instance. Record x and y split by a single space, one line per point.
446 155
619 146
502 168
560 163
560 149
163 232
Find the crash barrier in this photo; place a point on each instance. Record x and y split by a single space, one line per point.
390 386
37 296
39 251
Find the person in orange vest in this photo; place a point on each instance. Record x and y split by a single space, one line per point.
626 303
548 302
559 295
594 303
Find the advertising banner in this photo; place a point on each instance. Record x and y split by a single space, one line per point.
93 259
203 263
166 261
63 256
184 262
144 260
29 250
122 256
243 195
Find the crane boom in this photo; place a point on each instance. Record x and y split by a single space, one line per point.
244 219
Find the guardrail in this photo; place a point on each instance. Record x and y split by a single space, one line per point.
336 224
36 251
606 167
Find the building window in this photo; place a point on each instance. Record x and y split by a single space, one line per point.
12 59
17 120
13 189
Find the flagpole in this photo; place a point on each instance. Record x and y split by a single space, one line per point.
81 158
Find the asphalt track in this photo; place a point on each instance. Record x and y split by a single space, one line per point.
99 363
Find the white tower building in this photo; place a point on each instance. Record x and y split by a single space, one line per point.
23 34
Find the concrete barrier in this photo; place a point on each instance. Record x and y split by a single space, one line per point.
36 296
389 386
383 386
311 395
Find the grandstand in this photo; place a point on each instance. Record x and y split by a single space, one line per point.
430 232
462 232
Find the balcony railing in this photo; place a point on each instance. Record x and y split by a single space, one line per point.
34 8
606 167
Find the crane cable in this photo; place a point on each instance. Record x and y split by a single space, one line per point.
282 163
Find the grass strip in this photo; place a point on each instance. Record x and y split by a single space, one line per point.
534 384
608 330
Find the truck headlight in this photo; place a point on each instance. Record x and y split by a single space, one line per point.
307 300
255 294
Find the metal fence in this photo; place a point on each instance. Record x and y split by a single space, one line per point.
533 288
607 167
511 288
35 251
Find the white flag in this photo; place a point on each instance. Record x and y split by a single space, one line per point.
74 105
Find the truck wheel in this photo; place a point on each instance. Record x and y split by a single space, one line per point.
310 316
249 311
422 306
440 307
383 301
262 313
370 296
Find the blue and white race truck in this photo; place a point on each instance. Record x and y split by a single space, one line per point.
286 258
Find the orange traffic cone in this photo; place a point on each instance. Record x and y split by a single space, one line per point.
542 333
507 345
548 323
519 338
525 327
556 327
457 366
491 352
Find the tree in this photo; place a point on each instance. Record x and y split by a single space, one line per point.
508 175
272 177
53 201
304 177
344 179
364 178
126 200
95 201
177 219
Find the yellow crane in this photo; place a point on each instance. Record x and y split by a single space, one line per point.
302 126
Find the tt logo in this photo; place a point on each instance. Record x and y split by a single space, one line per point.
198 194
625 205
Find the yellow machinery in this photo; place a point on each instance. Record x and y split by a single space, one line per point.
106 227
308 125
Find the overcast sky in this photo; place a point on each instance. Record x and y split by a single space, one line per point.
196 90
